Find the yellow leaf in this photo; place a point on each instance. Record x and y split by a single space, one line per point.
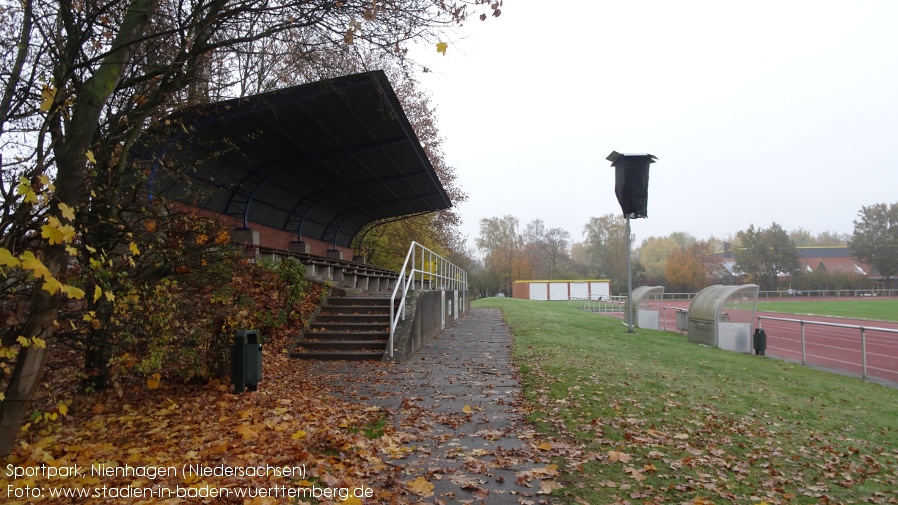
192 478
263 500
29 262
615 456
421 487
24 189
39 342
7 259
153 382
63 409
246 432
56 232
90 156
134 250
45 179
110 296
467 409
48 94
72 292
71 250
547 486
52 234
441 48
637 475
24 342
67 212
97 294
545 446
299 435
51 285
547 471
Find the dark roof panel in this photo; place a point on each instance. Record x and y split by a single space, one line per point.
321 159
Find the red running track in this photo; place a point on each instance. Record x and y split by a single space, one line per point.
828 346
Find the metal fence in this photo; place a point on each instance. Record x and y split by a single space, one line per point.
865 350
599 303
870 351
828 293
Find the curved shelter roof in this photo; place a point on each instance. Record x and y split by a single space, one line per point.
643 295
706 310
321 160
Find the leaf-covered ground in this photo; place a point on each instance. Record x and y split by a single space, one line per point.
440 443
660 420
289 421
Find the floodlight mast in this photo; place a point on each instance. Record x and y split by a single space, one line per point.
631 185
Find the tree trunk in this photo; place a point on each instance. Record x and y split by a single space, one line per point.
28 370
71 165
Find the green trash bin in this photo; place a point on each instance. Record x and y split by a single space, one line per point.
246 361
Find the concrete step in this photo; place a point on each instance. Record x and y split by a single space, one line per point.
359 301
339 355
344 344
344 317
348 327
378 326
325 335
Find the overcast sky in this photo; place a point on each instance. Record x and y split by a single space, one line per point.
759 112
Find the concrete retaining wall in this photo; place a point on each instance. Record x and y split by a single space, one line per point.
427 313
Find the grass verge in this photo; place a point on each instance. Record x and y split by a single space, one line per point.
872 309
655 419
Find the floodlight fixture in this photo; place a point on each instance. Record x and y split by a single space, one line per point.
631 182
631 185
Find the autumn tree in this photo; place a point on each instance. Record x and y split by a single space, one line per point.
653 254
554 257
804 238
832 238
764 254
690 269
683 239
605 240
502 247
86 79
875 238
546 249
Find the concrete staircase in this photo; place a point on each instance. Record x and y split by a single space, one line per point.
347 328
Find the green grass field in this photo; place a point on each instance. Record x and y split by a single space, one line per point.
651 418
872 309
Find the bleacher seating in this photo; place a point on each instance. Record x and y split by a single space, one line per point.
343 274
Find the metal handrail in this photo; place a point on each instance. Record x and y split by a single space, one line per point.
422 269
598 303
863 331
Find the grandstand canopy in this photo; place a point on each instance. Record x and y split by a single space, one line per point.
321 160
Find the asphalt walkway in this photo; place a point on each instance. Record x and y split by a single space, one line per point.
457 404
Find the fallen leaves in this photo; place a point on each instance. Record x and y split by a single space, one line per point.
247 432
421 487
664 450
615 456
